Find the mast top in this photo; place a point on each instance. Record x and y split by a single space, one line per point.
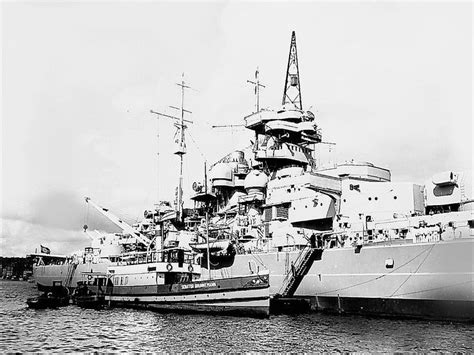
179 139
257 87
292 89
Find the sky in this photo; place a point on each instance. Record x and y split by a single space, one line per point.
390 83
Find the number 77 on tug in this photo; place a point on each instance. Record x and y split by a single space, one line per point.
171 280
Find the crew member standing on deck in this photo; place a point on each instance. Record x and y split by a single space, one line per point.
320 242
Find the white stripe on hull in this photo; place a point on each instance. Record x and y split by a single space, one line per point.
242 304
226 295
237 304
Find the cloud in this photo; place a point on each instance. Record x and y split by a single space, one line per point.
19 238
61 210
76 121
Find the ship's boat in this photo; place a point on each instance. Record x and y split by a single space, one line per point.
214 246
58 296
47 301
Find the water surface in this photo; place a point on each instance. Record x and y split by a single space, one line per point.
74 329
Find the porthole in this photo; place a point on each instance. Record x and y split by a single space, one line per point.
376 198
344 200
394 197
370 198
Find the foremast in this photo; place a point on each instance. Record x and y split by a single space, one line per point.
180 124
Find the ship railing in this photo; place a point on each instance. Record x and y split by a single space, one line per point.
170 255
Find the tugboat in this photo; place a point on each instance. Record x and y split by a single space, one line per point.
90 293
171 280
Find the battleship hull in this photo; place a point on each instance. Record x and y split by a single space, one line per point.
426 280
67 275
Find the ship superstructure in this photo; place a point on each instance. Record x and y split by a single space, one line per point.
279 190
344 237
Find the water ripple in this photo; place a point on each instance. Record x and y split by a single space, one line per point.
72 329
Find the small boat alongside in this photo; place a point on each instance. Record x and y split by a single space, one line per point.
57 297
171 281
90 292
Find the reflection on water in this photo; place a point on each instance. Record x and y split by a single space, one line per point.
75 329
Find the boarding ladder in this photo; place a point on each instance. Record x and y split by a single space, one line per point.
299 269
70 273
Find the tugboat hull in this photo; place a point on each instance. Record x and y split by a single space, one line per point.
248 296
90 301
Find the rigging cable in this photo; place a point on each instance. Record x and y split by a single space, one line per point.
418 268
199 150
380 276
258 259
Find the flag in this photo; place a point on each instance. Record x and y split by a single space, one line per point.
45 250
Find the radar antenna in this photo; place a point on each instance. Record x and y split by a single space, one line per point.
257 87
292 90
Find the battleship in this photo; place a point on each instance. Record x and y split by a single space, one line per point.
340 238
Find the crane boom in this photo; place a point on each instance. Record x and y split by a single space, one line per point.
119 223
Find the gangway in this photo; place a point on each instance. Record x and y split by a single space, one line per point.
70 274
299 268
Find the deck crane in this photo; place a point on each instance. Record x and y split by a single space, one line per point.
119 223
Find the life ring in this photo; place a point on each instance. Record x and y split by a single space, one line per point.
169 267
190 268
89 277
